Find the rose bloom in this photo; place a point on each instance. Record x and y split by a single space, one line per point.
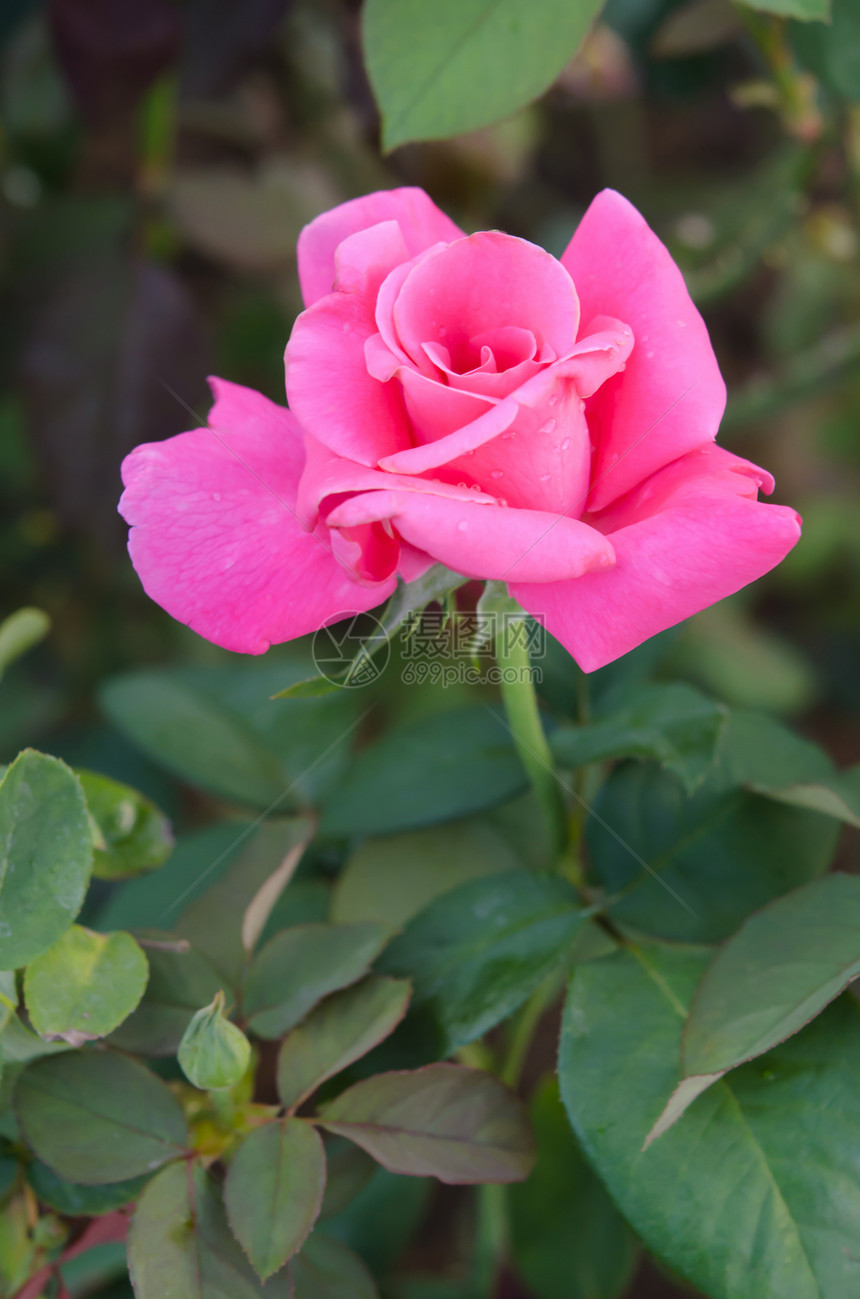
467 400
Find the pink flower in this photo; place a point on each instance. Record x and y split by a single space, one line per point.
473 401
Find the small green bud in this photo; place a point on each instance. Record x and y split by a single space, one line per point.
213 1052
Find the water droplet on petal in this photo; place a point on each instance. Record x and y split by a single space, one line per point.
565 446
475 487
582 405
545 478
502 501
549 426
464 485
623 366
553 401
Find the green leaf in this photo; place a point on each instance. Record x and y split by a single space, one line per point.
569 1241
837 796
436 769
337 1032
478 952
393 877
18 1255
20 1045
724 1197
20 632
74 1199
719 855
312 737
771 978
442 70
348 1171
383 1218
300 966
274 1190
98 1117
180 982
806 10
180 1245
214 921
445 1121
9 1168
259 910
832 50
213 1052
85 985
136 836
194 735
326 1269
46 855
759 752
158 898
675 725
219 728
767 758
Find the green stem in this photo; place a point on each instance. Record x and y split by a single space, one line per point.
492 1239
523 1028
518 692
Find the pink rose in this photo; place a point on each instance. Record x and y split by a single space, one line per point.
473 401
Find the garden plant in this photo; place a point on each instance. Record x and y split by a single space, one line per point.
428 851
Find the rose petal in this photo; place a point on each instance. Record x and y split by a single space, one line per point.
485 282
508 359
363 260
542 461
386 301
483 541
420 221
434 409
548 466
671 397
369 550
329 388
327 474
710 466
215 538
709 539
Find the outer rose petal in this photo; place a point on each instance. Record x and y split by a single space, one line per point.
214 537
329 388
420 221
671 397
484 541
362 261
709 538
326 474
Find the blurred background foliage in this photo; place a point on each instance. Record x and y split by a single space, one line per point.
157 161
